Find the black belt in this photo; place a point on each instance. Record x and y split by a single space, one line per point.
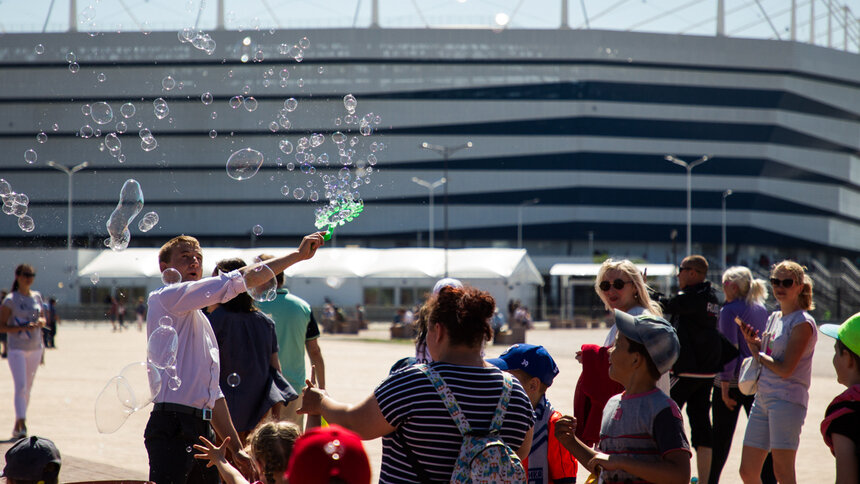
201 413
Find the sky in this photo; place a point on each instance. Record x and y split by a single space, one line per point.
744 18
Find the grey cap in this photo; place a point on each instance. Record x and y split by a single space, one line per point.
653 332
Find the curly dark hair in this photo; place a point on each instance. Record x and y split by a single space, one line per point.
272 443
242 303
465 313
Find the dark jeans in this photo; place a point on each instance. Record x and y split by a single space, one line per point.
169 438
696 394
725 421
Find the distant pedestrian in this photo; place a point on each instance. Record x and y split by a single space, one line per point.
140 313
51 318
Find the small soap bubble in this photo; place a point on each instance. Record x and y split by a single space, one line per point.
291 104
86 109
121 127
40 49
233 380
101 112
101 77
314 196
168 83
299 193
113 143
42 137
127 110
273 126
206 98
94 278
213 134
165 321
74 67
244 164
170 276
258 230
55 127
236 101
160 108
174 383
144 133
162 346
285 146
300 82
26 223
30 156
148 221
304 43
71 57
148 144
350 103
250 104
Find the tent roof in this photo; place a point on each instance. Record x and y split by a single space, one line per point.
590 270
489 263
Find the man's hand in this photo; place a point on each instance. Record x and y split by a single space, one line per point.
310 244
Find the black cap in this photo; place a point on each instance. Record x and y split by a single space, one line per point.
30 459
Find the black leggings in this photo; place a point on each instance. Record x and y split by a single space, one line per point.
725 421
695 393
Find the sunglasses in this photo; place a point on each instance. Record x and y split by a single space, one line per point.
682 269
786 283
618 284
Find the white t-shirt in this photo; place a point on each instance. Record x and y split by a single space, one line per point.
25 310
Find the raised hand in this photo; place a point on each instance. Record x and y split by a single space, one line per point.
209 451
312 396
310 244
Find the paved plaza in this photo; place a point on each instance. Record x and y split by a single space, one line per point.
66 387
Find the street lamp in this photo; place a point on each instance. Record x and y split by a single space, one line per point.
445 152
689 167
726 194
70 172
524 203
430 188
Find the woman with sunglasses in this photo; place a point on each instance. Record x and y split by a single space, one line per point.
744 298
21 316
620 285
785 351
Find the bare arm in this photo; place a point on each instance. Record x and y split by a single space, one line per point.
317 363
846 463
797 342
215 456
306 250
674 468
274 362
526 447
364 418
565 428
223 426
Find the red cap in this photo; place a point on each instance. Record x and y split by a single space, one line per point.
326 452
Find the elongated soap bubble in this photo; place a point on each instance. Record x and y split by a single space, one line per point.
144 381
162 346
110 411
244 164
129 205
148 221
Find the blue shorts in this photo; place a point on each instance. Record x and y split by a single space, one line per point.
774 424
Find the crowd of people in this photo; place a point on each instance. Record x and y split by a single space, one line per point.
449 413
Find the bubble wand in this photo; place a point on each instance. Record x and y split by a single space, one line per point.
336 213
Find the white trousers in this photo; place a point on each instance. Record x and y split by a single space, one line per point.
23 364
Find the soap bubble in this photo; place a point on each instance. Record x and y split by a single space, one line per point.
213 134
30 156
162 346
350 103
160 108
26 223
101 77
86 131
299 193
19 211
236 101
101 113
300 82
110 412
258 230
285 146
168 83
273 126
42 137
148 144
244 164
165 321
366 129
174 383
40 49
148 222
206 98
94 278
250 104
74 67
170 276
267 291
233 380
321 69
285 190
129 205
144 381
113 143
338 137
304 43
55 127
291 104
127 110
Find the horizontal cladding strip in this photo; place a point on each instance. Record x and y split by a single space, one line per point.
559 197
585 126
580 91
446 62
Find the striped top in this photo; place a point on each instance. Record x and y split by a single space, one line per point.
409 402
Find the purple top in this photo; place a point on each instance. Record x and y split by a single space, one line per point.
753 314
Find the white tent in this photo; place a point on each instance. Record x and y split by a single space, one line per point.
343 274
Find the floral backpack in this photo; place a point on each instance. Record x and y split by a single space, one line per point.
484 458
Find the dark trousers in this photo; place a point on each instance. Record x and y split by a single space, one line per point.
169 438
696 394
725 421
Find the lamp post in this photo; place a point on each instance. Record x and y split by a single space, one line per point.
524 203
431 187
445 152
689 167
726 194
70 172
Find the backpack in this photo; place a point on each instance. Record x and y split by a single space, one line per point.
484 458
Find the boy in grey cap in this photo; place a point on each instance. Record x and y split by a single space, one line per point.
32 459
642 432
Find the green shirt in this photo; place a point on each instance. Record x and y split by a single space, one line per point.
294 326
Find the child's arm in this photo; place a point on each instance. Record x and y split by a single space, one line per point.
674 468
846 462
565 428
215 456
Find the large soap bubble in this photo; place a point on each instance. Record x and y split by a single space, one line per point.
111 411
130 204
162 346
266 291
101 113
244 164
144 381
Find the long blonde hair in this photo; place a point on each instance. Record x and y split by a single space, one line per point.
798 273
632 271
753 291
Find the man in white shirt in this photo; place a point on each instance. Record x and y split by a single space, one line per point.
197 407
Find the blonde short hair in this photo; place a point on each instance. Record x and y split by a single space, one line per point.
629 268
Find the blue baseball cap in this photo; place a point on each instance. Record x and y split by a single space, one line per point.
532 359
655 333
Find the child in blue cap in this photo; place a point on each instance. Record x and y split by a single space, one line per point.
548 461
